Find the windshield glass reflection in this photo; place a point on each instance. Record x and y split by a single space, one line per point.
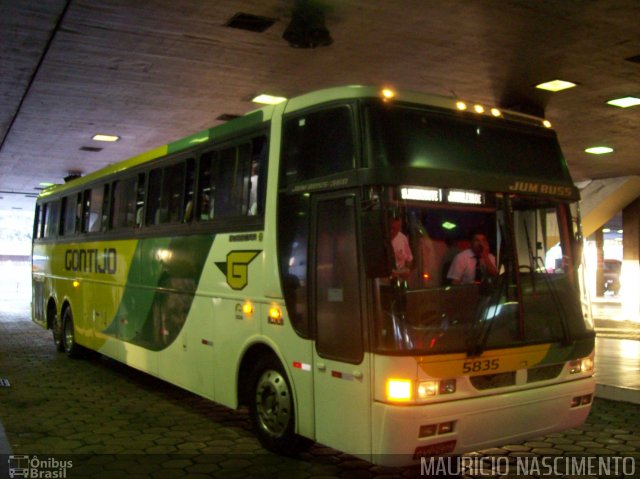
465 278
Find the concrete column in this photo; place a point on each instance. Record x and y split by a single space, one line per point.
630 277
599 237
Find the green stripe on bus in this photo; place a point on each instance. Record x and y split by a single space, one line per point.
250 120
161 285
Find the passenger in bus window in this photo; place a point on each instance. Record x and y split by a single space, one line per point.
474 264
206 206
253 190
401 250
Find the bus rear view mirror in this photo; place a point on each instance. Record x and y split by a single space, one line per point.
376 247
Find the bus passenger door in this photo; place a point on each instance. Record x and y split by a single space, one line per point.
342 389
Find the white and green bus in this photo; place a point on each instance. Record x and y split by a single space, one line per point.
252 264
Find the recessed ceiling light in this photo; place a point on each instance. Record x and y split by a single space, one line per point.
268 99
625 102
556 85
44 184
101 137
606 230
599 150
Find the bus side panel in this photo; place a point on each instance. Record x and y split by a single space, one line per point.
233 276
40 295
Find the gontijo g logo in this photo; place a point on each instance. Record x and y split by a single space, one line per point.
236 268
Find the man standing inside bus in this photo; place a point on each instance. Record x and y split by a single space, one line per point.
474 264
401 250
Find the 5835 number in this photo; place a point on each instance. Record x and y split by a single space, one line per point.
480 365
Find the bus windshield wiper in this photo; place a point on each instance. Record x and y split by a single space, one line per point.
482 324
535 262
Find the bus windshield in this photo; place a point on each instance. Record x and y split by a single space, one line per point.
417 137
444 297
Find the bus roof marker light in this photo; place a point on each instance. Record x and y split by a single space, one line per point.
103 137
388 94
460 105
478 109
265 99
495 112
625 102
599 150
546 123
556 85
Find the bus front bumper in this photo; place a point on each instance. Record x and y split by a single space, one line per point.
404 434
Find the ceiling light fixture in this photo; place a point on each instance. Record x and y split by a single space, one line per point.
265 99
556 85
599 150
103 137
625 102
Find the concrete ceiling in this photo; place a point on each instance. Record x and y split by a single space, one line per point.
152 71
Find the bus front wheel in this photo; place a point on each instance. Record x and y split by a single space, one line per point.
68 337
271 409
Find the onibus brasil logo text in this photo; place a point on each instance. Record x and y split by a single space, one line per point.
34 467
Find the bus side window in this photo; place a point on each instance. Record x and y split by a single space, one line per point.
43 220
104 224
94 207
123 203
317 144
232 185
84 210
188 191
69 215
52 218
258 178
139 199
173 192
36 222
206 186
154 208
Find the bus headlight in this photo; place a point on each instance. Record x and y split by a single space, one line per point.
586 365
583 365
399 390
428 389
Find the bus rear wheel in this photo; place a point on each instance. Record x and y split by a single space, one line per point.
68 336
56 329
271 409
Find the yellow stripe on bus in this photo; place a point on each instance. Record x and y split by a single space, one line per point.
493 361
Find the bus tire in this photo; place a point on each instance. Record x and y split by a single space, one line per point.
68 339
271 409
56 330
